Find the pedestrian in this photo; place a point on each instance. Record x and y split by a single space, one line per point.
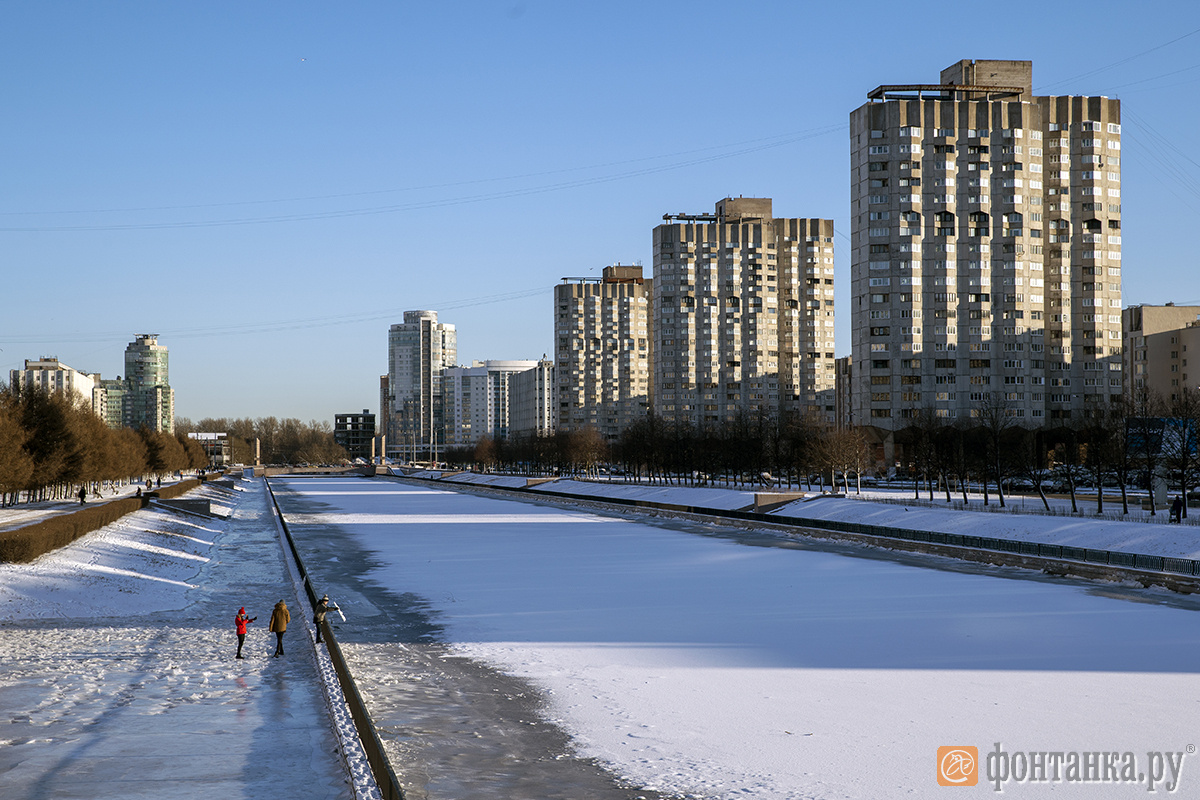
240 622
82 495
1177 510
279 622
319 612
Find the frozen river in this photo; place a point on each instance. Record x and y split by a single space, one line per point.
522 649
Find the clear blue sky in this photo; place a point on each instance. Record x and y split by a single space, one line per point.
269 185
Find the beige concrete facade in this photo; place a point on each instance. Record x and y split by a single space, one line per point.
602 351
1159 343
986 248
743 314
532 401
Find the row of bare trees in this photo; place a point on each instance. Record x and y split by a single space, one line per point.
753 449
50 446
281 441
1142 441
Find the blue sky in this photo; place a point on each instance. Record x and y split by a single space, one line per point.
268 186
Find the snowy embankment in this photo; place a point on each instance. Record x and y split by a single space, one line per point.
119 674
701 667
1135 535
141 564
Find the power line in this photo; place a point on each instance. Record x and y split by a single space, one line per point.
1118 63
747 146
282 325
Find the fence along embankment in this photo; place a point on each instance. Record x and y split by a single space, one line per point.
385 776
1178 574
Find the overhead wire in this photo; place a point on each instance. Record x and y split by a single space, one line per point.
425 187
757 145
1125 60
283 325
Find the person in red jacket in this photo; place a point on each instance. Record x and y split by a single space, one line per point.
240 622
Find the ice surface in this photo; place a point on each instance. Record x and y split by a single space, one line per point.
692 663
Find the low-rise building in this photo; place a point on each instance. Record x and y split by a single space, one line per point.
355 433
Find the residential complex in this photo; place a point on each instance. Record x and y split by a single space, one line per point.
477 400
1158 341
142 399
602 351
50 375
743 315
986 248
420 349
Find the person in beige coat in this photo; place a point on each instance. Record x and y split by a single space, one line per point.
279 622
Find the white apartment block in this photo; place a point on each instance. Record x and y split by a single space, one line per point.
601 351
531 401
420 349
986 260
743 315
48 374
477 400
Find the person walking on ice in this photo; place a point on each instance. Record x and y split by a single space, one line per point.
279 622
240 622
322 608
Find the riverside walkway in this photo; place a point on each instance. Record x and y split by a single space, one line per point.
117 669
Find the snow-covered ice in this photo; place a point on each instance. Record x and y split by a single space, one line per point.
705 662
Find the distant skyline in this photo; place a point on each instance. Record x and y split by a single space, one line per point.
268 188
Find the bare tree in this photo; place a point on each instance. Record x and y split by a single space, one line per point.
1180 457
996 419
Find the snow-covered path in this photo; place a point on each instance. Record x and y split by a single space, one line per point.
117 676
694 664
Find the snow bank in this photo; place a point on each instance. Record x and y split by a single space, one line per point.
700 666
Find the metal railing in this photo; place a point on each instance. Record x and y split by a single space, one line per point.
385 777
1114 558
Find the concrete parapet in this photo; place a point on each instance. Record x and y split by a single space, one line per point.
767 501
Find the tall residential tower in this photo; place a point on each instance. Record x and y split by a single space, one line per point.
743 314
986 262
601 351
419 351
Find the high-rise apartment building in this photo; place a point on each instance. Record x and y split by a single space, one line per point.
149 400
1159 342
986 234
420 349
601 352
477 400
531 401
743 314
